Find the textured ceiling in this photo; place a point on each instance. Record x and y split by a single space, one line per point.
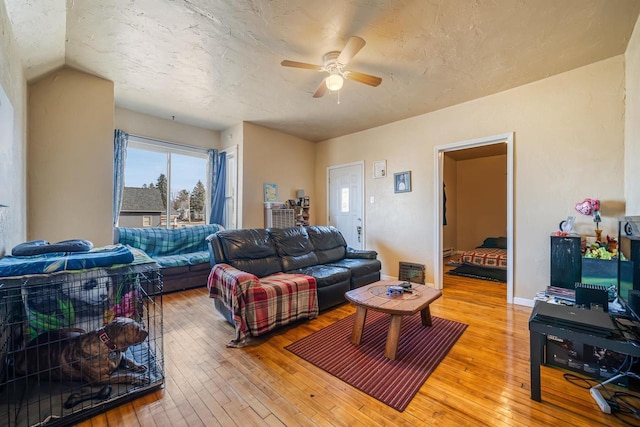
216 63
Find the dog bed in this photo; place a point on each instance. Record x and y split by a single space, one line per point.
38 247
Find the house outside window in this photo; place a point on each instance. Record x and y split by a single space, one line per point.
141 207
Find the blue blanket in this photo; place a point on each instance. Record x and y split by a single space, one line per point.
63 261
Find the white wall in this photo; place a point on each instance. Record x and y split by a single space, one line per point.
166 130
13 190
275 157
481 200
70 156
569 144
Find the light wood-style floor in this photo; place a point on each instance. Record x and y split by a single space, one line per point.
484 380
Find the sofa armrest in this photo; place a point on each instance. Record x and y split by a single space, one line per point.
216 255
226 282
357 253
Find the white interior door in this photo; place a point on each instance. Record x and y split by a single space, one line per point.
346 208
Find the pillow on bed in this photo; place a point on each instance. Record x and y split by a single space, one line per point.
501 242
494 242
489 242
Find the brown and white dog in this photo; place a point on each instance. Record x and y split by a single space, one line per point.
76 355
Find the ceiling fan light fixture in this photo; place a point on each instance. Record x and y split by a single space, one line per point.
334 82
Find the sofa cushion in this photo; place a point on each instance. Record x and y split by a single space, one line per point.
183 260
359 267
328 243
325 275
294 247
251 250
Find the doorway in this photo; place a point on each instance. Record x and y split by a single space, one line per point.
507 138
346 202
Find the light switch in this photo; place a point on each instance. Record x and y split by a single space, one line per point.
371 199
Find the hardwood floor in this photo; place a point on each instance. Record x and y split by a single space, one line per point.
484 380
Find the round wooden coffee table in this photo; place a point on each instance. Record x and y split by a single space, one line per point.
374 297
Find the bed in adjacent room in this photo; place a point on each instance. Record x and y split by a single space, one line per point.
487 262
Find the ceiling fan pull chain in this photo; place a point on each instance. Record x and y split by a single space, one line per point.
338 97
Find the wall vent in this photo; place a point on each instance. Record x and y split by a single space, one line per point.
411 272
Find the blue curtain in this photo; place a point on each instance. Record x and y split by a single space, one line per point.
120 142
218 173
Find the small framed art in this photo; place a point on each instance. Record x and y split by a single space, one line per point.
270 192
380 169
402 182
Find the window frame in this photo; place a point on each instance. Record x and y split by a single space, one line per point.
232 219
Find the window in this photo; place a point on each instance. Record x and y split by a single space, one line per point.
166 181
344 200
231 181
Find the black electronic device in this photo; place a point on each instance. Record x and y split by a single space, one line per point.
592 296
594 322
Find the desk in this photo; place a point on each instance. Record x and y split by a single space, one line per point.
538 332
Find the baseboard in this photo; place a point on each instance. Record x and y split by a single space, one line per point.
517 301
524 301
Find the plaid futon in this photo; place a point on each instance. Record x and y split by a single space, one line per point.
171 247
486 257
261 305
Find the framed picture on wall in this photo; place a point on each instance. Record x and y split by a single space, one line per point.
402 182
380 169
270 192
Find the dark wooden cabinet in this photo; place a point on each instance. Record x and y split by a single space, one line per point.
566 261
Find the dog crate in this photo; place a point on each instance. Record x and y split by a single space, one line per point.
411 272
59 331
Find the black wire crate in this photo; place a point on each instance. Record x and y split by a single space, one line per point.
75 344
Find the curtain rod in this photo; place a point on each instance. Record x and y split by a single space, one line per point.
172 144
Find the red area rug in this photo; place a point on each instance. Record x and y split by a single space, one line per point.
393 382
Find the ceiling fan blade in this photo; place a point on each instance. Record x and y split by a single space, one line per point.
367 79
353 46
295 64
321 89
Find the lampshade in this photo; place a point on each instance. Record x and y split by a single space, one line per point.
334 82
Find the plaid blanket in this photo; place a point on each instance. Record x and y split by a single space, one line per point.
261 305
159 241
486 257
47 263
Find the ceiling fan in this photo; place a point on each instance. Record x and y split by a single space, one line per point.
334 63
